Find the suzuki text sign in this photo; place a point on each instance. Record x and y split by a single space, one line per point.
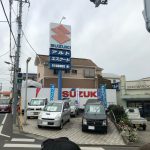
60 46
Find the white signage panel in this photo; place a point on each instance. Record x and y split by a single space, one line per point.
60 36
141 84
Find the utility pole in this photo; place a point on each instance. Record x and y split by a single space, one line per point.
17 57
16 64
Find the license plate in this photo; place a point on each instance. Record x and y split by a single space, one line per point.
36 113
137 125
50 123
91 127
44 123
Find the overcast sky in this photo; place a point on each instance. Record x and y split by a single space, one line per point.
113 36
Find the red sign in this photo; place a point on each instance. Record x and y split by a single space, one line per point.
85 94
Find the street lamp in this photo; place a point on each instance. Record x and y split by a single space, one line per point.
62 19
25 106
6 62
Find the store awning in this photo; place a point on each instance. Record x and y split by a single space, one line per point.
136 97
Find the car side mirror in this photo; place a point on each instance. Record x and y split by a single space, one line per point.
28 103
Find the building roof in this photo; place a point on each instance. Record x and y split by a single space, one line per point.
147 78
75 61
110 76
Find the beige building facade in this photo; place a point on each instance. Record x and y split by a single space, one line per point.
136 93
84 73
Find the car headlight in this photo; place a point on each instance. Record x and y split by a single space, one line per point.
73 107
58 117
104 123
84 121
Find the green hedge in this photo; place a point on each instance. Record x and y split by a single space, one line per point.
119 113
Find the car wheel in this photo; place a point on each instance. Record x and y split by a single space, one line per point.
75 114
105 132
83 129
39 126
61 125
69 120
144 127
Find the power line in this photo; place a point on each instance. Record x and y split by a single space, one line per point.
26 37
4 54
29 43
8 22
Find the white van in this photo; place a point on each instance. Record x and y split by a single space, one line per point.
35 106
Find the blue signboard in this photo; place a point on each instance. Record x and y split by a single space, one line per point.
56 59
60 66
60 53
52 92
102 94
116 86
60 47
60 59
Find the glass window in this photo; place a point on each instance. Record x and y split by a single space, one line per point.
55 71
92 109
4 101
53 107
67 71
74 71
37 102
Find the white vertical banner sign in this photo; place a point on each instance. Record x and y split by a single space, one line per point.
77 95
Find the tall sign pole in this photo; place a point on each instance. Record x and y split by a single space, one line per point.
60 51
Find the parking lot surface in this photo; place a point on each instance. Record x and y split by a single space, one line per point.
144 136
73 131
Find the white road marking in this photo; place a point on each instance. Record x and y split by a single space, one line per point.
2 125
22 140
4 119
92 148
23 145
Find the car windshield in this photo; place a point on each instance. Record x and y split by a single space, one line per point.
94 109
73 102
53 107
4 101
37 102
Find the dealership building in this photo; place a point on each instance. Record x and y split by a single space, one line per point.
135 93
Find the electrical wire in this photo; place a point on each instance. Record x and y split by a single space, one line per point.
8 22
4 54
10 44
26 37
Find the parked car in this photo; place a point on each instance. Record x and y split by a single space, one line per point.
94 116
74 107
55 114
35 106
5 105
135 118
